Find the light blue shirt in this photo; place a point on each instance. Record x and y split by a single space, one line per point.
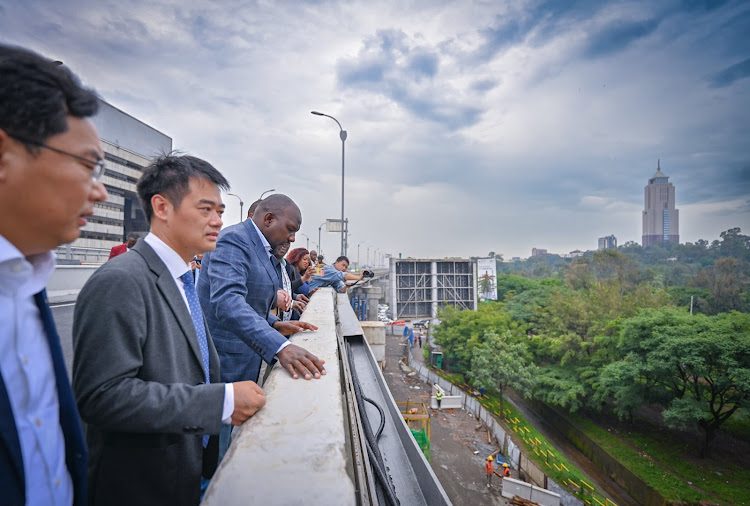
29 376
330 277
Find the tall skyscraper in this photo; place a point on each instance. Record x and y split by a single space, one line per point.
661 221
609 242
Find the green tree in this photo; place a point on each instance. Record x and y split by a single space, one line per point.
460 332
697 367
499 363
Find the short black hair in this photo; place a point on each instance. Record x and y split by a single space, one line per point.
342 257
170 175
252 208
134 235
37 95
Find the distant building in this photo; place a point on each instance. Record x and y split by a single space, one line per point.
576 253
661 221
128 145
537 252
609 242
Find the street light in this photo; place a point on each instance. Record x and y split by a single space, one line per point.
267 191
320 252
241 204
342 135
308 241
359 266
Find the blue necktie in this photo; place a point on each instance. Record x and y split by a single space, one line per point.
197 315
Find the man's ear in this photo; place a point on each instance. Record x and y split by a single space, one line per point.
268 219
5 154
161 206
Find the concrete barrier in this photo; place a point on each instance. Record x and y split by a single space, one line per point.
67 280
302 426
374 333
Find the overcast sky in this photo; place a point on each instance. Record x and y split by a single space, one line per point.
473 126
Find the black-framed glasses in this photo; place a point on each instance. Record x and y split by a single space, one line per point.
97 166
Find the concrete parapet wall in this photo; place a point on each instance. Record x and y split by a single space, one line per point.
301 426
67 280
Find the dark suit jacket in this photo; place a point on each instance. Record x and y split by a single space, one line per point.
12 479
139 381
118 250
236 288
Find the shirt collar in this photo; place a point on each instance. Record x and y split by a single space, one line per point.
39 267
174 262
263 240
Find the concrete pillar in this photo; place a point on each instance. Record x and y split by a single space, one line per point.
434 308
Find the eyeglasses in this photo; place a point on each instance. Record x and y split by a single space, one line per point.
97 166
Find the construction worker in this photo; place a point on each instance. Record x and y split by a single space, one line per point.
439 397
506 470
489 470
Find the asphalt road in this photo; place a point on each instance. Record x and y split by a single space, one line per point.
63 315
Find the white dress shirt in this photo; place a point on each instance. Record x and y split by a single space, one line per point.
177 267
29 376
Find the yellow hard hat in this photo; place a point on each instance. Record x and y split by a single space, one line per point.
489 458
505 464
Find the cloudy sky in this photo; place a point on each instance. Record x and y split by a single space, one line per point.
473 126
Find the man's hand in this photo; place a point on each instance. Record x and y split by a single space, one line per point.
194 265
298 360
248 399
283 300
302 298
289 328
298 306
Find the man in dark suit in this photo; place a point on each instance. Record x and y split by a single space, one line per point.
50 166
124 248
145 370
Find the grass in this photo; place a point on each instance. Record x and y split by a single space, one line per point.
667 464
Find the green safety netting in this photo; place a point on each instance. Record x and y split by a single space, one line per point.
421 437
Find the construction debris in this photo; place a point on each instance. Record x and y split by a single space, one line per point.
520 501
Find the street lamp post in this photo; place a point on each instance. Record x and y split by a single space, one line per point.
267 191
342 135
241 204
308 241
320 252
359 265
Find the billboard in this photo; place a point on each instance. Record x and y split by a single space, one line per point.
487 278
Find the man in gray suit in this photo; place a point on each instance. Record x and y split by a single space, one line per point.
145 370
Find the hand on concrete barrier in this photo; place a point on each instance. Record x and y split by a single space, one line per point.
283 300
248 399
292 327
298 306
298 360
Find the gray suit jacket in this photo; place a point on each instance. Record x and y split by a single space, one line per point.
139 383
237 287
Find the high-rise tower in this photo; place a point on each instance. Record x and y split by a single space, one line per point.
661 221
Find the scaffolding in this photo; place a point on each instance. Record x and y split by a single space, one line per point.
421 287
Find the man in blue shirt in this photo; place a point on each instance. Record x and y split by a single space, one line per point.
335 276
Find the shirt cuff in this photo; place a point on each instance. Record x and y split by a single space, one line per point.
286 343
226 412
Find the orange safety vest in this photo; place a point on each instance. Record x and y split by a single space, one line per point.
506 472
488 467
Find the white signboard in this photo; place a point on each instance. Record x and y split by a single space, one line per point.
487 278
333 225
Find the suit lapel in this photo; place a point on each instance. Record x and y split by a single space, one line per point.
167 285
9 433
263 255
